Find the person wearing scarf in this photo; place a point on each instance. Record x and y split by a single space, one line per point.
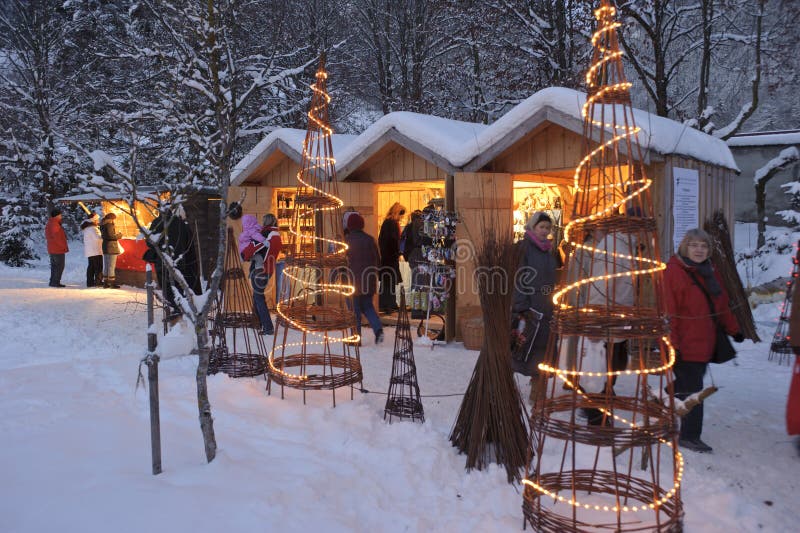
534 283
693 328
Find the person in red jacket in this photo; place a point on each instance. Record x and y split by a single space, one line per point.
793 401
689 277
56 246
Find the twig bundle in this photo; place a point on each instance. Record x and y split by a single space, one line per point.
725 261
491 424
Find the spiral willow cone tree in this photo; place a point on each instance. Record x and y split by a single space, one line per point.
315 344
603 431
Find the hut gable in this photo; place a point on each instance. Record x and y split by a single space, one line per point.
446 143
283 146
549 147
563 106
394 162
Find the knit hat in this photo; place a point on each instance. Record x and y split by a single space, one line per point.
346 217
538 216
355 222
55 212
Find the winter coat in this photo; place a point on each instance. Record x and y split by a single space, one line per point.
251 230
362 256
692 328
180 241
415 240
274 245
92 240
389 244
55 236
533 289
110 236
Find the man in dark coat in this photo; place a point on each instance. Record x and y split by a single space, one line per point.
362 255
177 243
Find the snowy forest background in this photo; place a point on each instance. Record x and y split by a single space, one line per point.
176 92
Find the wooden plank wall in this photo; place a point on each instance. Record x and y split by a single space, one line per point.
480 199
401 165
715 191
361 196
549 149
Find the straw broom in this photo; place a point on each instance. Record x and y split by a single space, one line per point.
491 424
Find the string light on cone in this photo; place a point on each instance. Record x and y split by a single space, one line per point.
313 294
613 244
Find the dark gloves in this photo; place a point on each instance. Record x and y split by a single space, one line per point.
738 338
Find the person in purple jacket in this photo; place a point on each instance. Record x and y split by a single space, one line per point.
253 247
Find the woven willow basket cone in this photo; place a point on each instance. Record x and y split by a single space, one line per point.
315 345
403 399
622 471
237 347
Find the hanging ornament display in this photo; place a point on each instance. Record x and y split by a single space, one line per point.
316 344
603 428
434 277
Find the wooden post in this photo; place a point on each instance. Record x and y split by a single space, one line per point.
152 376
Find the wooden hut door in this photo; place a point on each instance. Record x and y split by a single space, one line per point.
481 200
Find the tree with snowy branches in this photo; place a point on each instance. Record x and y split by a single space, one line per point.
40 95
200 82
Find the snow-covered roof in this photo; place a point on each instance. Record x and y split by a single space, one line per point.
102 196
766 138
448 143
454 145
563 106
287 140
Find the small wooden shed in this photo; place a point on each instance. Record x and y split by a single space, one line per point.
202 213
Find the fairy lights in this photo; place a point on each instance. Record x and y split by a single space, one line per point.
309 306
602 175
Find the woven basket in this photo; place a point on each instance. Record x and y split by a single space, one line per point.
472 332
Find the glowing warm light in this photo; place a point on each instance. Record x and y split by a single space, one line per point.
318 165
646 266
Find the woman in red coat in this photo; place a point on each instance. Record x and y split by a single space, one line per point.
689 277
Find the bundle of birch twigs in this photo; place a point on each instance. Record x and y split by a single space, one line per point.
491 424
725 262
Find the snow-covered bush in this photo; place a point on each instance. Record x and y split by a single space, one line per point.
16 227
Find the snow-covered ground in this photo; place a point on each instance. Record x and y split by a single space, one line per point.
76 442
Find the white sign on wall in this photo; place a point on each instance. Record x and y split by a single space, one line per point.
685 204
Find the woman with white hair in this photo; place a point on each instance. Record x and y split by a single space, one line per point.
697 305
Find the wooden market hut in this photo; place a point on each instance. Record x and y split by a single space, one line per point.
202 213
267 179
524 161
